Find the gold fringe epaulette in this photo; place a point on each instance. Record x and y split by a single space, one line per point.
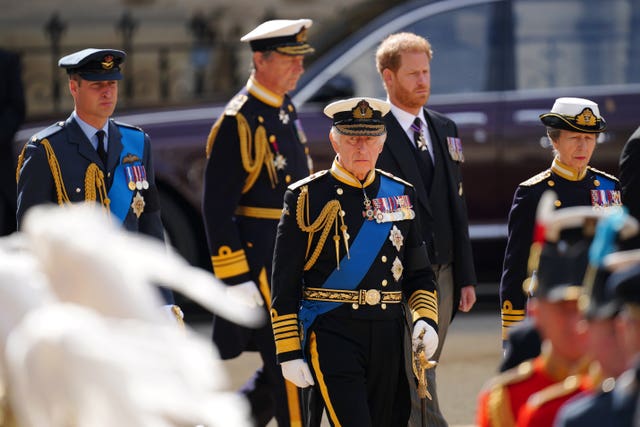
554 391
536 179
599 172
395 178
307 180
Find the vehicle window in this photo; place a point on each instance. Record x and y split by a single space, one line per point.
576 43
461 52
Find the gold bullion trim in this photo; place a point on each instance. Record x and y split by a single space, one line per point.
229 263
424 304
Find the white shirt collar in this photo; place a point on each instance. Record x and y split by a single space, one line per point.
90 132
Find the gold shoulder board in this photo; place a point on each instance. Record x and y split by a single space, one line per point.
536 179
395 178
235 104
599 172
308 179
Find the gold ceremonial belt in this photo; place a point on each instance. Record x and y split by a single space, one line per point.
361 296
254 212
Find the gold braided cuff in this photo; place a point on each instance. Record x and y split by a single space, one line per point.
229 263
285 332
510 317
424 304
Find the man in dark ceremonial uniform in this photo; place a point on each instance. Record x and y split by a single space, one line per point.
255 150
92 158
348 251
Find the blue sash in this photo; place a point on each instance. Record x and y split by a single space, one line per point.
352 270
119 194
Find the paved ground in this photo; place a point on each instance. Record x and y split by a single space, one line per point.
470 357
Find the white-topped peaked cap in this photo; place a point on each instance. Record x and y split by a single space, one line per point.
358 116
575 114
286 36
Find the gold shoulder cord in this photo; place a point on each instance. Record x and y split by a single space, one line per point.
61 191
263 155
328 217
94 185
93 180
252 165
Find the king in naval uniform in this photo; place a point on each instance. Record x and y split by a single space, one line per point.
348 251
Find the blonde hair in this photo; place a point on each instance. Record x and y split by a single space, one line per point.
390 50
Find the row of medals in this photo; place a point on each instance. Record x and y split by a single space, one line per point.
401 209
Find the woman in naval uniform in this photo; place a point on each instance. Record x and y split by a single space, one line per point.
573 125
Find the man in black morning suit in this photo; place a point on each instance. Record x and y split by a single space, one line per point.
428 153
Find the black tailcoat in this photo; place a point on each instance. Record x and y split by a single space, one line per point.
398 158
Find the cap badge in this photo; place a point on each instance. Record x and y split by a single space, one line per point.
586 118
362 110
301 37
107 62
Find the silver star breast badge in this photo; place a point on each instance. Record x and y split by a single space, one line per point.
284 117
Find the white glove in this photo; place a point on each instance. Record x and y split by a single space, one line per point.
429 338
246 293
297 371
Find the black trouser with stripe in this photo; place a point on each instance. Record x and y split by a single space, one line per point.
358 369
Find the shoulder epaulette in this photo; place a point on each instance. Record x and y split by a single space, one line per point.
395 178
514 375
536 179
127 125
554 391
308 179
45 133
599 172
236 103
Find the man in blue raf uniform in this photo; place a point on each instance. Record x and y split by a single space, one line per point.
91 157
255 149
348 251
573 125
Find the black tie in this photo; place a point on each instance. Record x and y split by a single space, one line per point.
423 153
101 151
